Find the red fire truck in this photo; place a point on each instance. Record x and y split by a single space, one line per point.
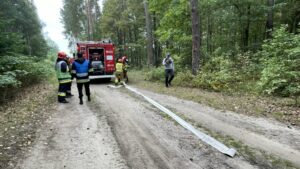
102 57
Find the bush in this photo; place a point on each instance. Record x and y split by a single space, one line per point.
38 71
20 71
184 78
218 74
8 79
10 71
281 60
156 74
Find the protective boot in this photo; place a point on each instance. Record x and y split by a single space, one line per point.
80 102
89 98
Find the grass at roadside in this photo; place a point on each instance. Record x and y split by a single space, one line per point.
20 119
281 109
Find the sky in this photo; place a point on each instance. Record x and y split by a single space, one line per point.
49 14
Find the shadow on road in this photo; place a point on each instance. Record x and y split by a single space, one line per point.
100 81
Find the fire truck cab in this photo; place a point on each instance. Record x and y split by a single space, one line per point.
102 57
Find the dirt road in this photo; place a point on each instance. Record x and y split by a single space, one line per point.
120 130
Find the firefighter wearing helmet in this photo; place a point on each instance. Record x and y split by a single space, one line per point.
119 71
125 67
63 76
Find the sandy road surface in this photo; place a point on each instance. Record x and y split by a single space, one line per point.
120 130
74 138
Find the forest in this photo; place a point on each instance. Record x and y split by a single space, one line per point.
228 46
237 80
24 50
248 46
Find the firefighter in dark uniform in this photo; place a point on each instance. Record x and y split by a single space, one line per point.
63 76
81 68
69 94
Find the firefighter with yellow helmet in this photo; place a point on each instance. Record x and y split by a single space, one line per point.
63 76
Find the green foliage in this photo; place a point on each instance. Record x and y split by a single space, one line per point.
157 74
23 48
184 78
175 28
17 70
10 41
124 23
290 11
8 79
81 20
218 74
281 60
74 19
232 34
20 29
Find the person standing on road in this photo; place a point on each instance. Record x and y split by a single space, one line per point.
63 76
69 85
125 68
119 72
81 68
169 69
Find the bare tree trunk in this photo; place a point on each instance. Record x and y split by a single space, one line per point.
149 35
28 39
209 34
247 30
157 47
269 24
89 19
196 34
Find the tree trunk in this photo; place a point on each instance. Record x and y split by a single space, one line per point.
149 35
88 14
295 22
157 61
247 30
196 34
209 34
269 24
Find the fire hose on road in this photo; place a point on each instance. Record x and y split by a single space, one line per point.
202 136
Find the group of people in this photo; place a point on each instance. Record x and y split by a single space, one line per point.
65 71
81 68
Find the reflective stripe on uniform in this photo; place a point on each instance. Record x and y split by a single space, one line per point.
81 74
62 94
91 70
64 81
74 71
82 80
